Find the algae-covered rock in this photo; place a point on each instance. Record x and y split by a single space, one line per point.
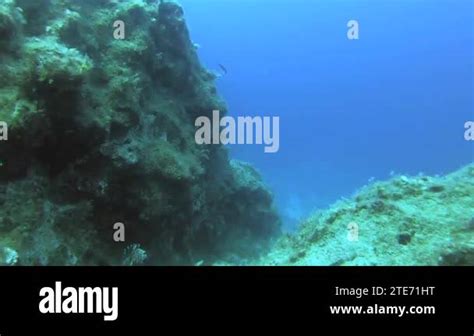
101 130
418 220
8 256
11 21
15 110
462 255
41 230
54 61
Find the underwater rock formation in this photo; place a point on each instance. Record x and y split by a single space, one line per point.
101 130
418 220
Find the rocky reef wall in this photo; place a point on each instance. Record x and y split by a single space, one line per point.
101 130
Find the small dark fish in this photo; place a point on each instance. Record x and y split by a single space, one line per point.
223 68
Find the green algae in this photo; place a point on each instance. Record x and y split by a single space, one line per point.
102 131
418 220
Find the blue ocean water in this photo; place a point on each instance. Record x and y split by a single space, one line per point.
395 100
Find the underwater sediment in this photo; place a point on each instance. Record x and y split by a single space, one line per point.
101 131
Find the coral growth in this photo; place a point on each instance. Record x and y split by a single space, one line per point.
101 130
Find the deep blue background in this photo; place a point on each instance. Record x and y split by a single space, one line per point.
394 101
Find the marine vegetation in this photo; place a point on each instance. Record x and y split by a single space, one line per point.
97 132
419 220
101 130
